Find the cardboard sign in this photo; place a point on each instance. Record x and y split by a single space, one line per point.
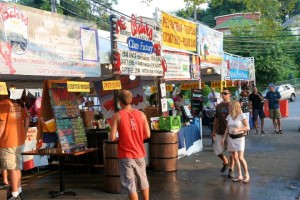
112 85
75 86
3 88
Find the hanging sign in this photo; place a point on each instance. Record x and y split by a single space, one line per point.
178 65
211 47
112 85
216 84
194 85
3 88
75 86
142 46
178 33
29 46
134 63
153 89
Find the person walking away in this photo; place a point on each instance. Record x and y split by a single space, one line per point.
219 127
133 129
237 124
273 99
213 97
244 101
256 102
14 123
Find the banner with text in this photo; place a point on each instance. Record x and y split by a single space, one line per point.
211 47
235 67
178 65
41 43
178 33
134 63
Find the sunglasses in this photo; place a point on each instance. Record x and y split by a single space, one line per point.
224 93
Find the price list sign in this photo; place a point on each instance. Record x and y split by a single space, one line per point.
69 124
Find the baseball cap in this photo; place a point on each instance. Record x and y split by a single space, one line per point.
271 85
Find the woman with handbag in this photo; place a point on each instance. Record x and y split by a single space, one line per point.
237 124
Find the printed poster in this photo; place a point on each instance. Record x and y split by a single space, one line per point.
41 43
178 65
211 47
107 100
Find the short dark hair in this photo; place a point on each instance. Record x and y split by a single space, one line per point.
125 97
225 88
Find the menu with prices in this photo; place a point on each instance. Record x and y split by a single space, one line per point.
197 102
69 125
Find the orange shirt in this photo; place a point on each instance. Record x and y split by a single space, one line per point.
13 116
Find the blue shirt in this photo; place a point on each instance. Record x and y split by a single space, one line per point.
273 97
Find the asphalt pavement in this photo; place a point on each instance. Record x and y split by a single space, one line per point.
273 160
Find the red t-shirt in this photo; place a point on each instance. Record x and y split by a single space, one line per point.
13 116
131 134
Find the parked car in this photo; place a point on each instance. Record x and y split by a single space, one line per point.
286 91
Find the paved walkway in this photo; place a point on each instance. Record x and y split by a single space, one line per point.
274 166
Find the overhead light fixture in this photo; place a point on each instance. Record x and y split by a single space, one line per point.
12 88
209 70
132 77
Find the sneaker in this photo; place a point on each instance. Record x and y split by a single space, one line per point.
263 132
21 195
15 198
231 173
280 132
225 166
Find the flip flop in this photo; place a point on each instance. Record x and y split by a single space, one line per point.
237 179
247 179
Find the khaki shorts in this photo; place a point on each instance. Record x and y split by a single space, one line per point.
10 158
275 114
133 175
217 147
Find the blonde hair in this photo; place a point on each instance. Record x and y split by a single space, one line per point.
235 108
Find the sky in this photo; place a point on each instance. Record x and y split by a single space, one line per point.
129 7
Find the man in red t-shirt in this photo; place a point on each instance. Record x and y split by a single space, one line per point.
133 129
14 123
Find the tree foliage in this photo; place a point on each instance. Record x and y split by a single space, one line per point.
94 10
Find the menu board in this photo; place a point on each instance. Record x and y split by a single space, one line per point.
69 125
197 102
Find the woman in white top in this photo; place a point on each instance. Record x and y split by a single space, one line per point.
237 124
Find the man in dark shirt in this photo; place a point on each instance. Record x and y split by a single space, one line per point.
273 99
256 101
220 123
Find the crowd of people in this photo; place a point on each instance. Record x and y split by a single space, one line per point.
231 125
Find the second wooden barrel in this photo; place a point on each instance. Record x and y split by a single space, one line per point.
112 181
163 151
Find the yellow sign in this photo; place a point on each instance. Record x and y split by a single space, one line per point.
188 86
3 88
112 85
229 83
216 84
179 33
75 86
153 89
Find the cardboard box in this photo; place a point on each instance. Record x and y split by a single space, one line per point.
151 112
87 117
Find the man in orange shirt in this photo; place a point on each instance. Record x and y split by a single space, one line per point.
14 123
133 129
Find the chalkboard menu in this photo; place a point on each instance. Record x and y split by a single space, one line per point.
69 125
197 102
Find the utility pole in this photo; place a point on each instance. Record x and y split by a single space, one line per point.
53 6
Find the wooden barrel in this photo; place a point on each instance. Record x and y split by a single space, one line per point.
163 151
112 181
